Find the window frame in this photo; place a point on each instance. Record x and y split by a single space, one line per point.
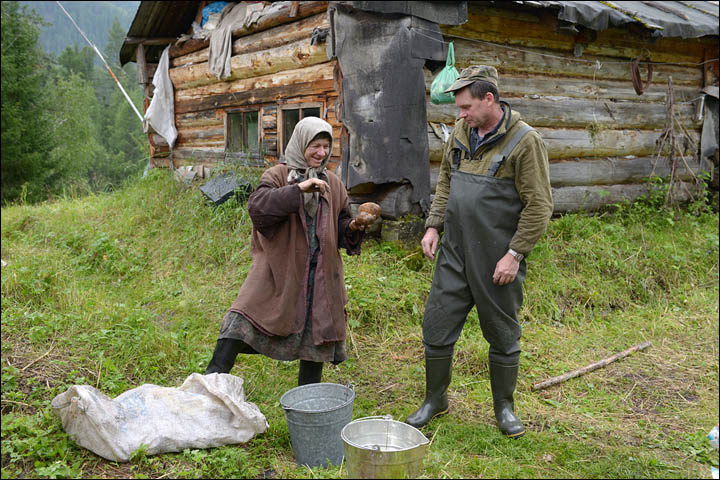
240 154
294 106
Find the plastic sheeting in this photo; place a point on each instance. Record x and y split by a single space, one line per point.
664 19
205 411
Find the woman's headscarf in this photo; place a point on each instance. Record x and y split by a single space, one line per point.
305 130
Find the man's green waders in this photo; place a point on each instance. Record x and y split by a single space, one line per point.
480 220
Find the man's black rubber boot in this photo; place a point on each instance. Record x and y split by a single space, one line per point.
309 372
438 372
502 381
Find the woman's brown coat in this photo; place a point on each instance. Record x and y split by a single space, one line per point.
274 294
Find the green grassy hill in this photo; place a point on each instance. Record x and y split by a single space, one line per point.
129 288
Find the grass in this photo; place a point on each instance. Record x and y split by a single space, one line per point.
128 288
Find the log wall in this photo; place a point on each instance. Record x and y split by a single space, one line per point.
601 136
273 65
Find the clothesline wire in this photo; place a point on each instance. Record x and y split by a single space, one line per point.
593 62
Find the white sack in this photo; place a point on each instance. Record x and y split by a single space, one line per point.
161 112
206 411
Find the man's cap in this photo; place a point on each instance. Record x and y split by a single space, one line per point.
473 74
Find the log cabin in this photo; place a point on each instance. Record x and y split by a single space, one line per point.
619 91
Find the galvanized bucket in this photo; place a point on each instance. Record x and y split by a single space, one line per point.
380 447
315 415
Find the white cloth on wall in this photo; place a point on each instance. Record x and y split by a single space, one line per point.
242 15
161 112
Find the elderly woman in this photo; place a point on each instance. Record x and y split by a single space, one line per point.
292 303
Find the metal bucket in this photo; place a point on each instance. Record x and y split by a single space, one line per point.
315 415
380 447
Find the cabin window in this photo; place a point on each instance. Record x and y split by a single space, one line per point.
242 132
291 115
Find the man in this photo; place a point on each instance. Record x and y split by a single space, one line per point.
494 210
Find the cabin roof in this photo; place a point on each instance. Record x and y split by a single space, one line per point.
684 19
168 19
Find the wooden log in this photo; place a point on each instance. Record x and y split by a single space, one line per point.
593 198
602 171
197 119
285 57
274 37
568 143
617 170
567 112
142 76
306 9
267 95
589 368
314 73
528 62
538 86
204 135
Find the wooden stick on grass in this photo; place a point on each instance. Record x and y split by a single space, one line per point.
582 371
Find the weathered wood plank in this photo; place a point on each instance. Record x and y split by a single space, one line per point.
204 118
203 133
274 37
534 86
616 170
568 143
602 171
285 57
592 198
314 73
565 112
268 21
529 62
266 95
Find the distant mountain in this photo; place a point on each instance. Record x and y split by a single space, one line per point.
94 18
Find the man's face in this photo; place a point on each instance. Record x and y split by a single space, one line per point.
475 111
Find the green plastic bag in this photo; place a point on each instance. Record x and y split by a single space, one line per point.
444 80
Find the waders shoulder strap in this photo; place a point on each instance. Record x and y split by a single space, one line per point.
499 159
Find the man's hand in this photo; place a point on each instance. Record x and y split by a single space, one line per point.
313 185
505 270
430 242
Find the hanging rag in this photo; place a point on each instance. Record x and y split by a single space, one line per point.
242 15
160 114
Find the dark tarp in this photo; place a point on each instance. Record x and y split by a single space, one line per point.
383 97
710 132
664 19
444 13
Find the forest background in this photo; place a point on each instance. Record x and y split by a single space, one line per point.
67 129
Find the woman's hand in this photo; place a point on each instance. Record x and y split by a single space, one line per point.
368 213
313 185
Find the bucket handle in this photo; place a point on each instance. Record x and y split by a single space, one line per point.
376 417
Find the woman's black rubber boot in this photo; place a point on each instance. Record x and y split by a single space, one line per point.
224 355
309 372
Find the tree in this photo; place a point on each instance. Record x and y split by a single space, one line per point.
74 59
77 148
25 144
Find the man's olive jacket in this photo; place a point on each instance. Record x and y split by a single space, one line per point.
527 164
